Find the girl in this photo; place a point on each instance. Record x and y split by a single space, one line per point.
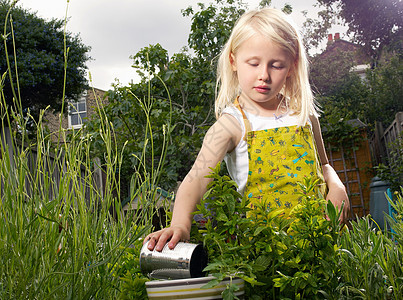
267 127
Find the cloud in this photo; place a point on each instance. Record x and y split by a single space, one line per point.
117 29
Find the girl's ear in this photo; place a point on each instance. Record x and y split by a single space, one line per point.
232 61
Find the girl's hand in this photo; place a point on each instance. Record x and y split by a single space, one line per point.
337 194
173 234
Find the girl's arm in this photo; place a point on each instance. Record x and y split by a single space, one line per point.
221 138
337 191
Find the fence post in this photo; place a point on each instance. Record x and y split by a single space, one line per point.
7 142
399 121
377 147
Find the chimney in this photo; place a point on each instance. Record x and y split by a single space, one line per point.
329 38
337 36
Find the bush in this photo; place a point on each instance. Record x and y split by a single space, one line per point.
278 257
305 256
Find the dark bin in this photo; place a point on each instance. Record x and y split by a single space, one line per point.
378 203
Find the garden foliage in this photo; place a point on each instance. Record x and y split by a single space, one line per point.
304 256
58 236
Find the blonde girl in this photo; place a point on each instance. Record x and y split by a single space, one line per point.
267 127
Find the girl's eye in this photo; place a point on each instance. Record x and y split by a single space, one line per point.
277 67
253 64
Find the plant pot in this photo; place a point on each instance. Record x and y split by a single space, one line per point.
190 288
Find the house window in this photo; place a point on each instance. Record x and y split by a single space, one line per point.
78 112
361 70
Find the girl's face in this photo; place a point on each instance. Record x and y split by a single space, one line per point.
262 68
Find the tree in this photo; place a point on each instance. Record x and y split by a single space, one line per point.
39 52
385 84
377 29
377 98
374 24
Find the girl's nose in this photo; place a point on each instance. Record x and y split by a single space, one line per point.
264 74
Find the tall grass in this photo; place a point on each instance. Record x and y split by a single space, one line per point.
58 238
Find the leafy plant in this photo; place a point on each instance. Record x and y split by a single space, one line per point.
371 261
278 257
225 211
310 266
304 256
129 272
340 133
58 237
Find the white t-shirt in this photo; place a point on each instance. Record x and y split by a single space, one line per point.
237 160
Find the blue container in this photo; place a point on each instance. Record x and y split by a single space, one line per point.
378 202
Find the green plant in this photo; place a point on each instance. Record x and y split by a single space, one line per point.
371 260
133 281
294 257
391 259
310 267
225 227
338 131
58 238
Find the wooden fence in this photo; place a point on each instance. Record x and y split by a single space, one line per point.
353 165
52 167
381 142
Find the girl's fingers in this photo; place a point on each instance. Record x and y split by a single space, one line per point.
163 240
157 240
174 240
152 242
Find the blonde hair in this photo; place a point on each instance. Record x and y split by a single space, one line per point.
277 27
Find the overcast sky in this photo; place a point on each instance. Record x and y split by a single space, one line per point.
116 29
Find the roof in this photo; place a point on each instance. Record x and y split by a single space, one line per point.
339 45
355 123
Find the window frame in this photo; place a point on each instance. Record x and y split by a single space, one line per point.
81 100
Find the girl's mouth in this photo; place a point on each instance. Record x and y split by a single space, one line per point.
262 89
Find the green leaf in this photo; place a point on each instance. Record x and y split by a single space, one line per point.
229 292
212 283
230 203
331 211
259 230
213 266
221 216
264 261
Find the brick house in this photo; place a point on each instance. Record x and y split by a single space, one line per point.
339 58
78 111
336 45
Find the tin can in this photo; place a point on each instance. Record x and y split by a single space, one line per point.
186 260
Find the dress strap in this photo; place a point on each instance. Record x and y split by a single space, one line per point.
246 122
